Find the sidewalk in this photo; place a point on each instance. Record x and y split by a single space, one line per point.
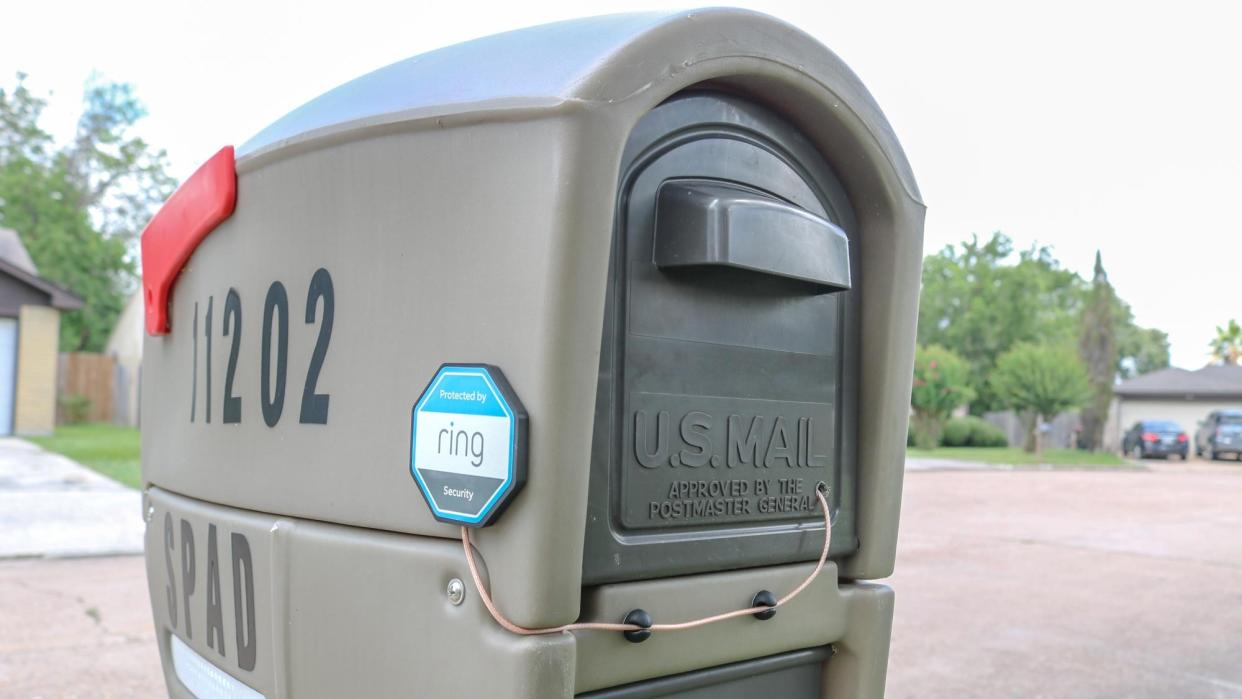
51 506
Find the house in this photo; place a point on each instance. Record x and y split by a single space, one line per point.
1183 396
125 346
30 309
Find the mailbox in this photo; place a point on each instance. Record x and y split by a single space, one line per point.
730 346
611 301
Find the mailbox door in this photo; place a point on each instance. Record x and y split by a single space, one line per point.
795 675
727 370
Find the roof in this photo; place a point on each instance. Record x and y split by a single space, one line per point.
15 262
12 250
58 296
1208 382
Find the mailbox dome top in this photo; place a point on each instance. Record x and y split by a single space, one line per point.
606 59
531 67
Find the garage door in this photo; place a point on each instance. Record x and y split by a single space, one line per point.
8 372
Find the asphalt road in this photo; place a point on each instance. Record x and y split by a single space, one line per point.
1009 584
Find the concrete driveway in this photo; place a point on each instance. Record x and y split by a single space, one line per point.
1070 584
77 627
71 626
51 506
1009 584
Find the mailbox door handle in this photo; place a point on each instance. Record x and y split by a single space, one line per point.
701 223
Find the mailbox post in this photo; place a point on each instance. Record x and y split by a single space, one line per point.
618 295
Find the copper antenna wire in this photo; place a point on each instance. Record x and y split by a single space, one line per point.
606 626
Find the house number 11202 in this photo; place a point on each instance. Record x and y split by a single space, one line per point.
274 353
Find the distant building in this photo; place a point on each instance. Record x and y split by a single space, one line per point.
1183 396
30 309
125 346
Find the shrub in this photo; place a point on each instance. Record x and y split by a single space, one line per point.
75 408
956 432
941 381
972 431
988 435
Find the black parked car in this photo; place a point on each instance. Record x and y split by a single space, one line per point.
1220 434
1148 438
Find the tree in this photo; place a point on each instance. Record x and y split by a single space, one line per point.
979 304
120 179
79 208
941 385
1227 345
1097 346
1141 350
980 299
1043 380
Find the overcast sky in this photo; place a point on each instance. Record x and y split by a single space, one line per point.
1080 125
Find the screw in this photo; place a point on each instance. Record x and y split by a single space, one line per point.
456 591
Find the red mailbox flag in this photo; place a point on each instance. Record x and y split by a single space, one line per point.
200 204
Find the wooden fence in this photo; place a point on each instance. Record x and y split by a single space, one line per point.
91 375
1061 432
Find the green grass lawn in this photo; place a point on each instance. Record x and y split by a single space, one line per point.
1016 457
109 449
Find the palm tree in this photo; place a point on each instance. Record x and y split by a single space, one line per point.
1227 345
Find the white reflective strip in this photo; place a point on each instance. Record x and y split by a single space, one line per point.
205 680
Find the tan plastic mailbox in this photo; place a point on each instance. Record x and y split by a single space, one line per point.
625 290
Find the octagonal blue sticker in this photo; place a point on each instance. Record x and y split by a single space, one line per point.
468 444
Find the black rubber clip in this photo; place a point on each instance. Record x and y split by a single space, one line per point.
638 617
764 598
